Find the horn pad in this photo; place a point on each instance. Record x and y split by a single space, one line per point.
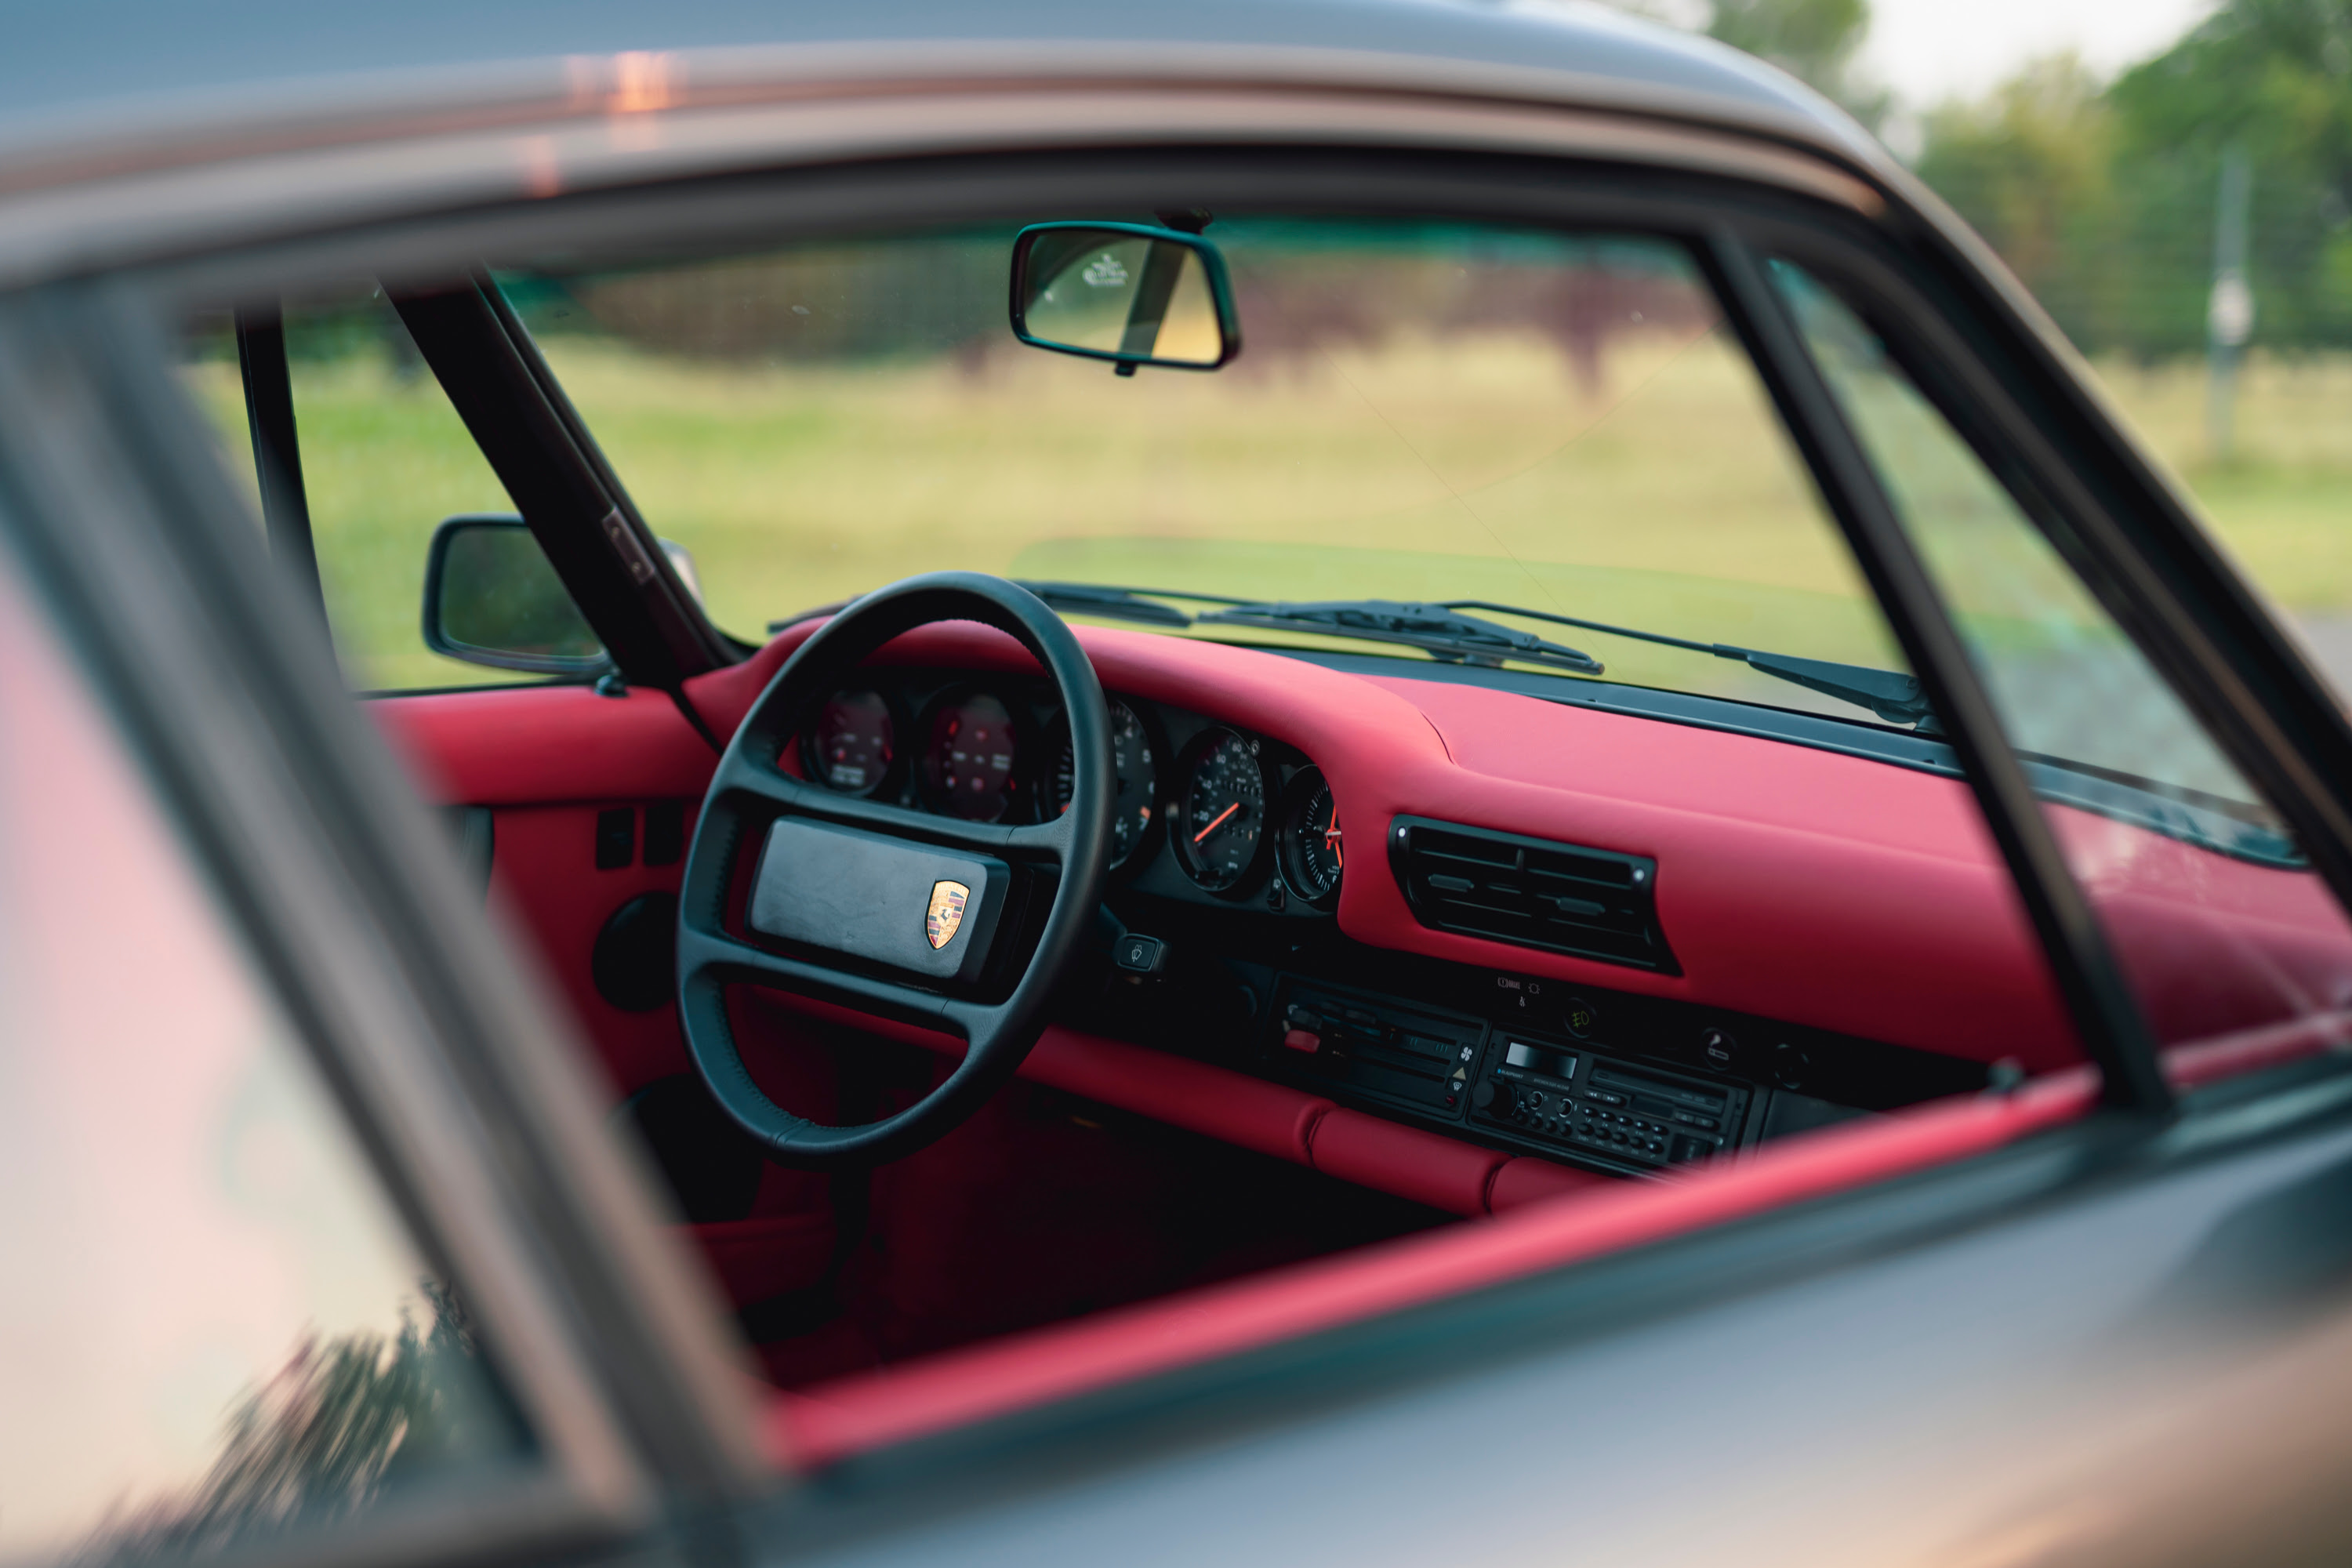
925 910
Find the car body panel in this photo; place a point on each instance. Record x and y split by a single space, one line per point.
93 63
1986 1329
2070 1386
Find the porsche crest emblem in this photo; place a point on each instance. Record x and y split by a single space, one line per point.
946 913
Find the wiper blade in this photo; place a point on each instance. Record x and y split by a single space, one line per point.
1444 630
1439 628
1891 695
1139 605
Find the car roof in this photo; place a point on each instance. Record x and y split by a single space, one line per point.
83 69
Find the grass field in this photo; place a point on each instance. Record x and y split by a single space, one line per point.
1459 470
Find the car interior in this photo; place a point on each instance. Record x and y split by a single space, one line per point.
1329 725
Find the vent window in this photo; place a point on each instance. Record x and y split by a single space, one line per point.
1561 898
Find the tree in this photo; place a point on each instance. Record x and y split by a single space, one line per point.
2104 201
2028 167
2274 77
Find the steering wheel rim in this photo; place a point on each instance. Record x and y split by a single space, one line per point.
751 793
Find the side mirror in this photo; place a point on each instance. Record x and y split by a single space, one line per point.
1125 293
491 597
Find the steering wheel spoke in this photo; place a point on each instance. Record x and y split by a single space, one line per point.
823 892
716 958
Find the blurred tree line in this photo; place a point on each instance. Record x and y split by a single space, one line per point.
2103 197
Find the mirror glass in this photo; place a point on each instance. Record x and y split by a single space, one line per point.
491 597
1143 296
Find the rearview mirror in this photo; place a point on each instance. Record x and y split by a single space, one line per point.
1125 293
491 597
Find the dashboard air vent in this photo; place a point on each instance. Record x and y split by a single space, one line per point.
1561 897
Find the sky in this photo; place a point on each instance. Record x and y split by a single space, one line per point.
1930 50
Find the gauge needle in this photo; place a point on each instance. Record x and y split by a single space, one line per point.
1219 822
1331 842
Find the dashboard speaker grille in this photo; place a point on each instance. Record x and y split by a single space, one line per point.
1561 898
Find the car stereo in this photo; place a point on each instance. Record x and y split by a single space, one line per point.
1560 1097
1410 1055
1596 1107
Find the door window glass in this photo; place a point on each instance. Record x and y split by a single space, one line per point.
2218 921
213 1327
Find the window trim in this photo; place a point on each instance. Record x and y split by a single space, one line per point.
451 1075
1553 193
2088 975
2116 524
1719 230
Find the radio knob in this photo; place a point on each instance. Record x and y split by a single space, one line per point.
1484 1097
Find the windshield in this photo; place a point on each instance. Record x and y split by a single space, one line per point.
1419 412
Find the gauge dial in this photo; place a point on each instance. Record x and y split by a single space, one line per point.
1138 781
968 756
850 746
1313 849
1221 816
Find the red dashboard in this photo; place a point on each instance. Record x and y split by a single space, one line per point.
1798 887
1793 883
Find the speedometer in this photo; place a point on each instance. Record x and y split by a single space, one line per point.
1221 812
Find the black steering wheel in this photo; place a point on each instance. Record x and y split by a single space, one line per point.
892 913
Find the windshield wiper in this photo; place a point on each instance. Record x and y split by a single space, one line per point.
1141 604
1444 630
1439 628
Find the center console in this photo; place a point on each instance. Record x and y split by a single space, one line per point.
1558 1097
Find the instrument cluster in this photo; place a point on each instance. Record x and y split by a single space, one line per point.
1201 808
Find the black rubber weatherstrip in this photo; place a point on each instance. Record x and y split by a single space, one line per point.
566 497
277 451
2089 978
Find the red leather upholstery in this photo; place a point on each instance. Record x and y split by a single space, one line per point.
543 872
544 745
854 1415
1522 1181
1427 1167
757 1259
1195 1096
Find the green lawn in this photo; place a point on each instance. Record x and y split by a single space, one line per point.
2283 505
1464 468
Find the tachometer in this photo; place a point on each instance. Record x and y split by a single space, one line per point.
969 757
1313 848
850 746
1138 781
1220 815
